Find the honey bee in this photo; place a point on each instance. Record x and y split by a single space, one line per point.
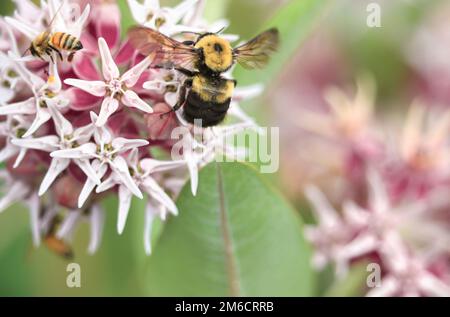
48 42
58 246
206 94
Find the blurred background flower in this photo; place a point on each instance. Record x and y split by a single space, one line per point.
364 118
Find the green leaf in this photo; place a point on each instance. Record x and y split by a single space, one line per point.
237 237
294 22
352 285
126 17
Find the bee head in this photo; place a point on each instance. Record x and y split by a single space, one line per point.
217 52
33 50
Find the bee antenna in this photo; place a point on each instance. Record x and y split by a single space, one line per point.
25 52
191 32
221 30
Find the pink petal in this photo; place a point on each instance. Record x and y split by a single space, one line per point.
81 100
125 54
160 128
107 22
84 67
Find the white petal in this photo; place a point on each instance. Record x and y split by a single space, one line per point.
34 207
95 88
20 157
46 143
389 286
120 168
122 144
155 84
149 216
151 165
32 80
131 77
54 81
90 184
326 213
138 11
193 172
57 166
62 125
158 193
109 67
97 220
131 99
7 152
109 183
109 106
83 134
42 116
86 167
85 151
378 197
80 23
182 9
433 286
249 92
15 193
23 107
124 207
27 30
68 224
133 158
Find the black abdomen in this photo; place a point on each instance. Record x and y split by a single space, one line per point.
210 113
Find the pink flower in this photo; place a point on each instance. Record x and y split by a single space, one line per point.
71 134
115 88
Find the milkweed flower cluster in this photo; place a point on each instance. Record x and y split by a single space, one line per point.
72 132
394 208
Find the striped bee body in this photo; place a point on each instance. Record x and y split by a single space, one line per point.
46 43
65 41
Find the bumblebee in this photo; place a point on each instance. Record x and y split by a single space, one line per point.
47 42
206 94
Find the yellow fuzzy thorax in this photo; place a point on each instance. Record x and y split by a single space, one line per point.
209 92
217 52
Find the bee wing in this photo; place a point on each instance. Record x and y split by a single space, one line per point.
256 52
169 52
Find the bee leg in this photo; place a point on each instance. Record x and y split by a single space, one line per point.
57 52
70 57
181 99
185 71
189 43
49 53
